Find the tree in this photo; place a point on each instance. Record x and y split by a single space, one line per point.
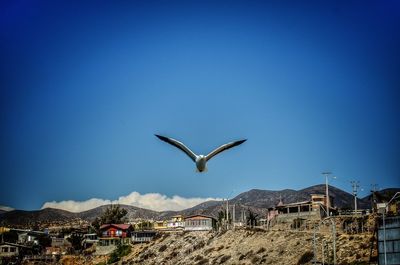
222 217
119 252
76 241
114 214
251 218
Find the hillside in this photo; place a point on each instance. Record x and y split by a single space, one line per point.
256 200
133 213
245 246
21 218
242 246
267 198
383 195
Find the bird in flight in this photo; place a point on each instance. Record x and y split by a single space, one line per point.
200 160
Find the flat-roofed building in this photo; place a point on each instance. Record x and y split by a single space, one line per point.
200 223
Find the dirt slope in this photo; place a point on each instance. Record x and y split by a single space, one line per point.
245 246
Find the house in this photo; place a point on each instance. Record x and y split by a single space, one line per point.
60 242
160 225
320 199
200 222
9 250
315 208
177 222
114 234
58 246
28 238
297 210
143 236
89 240
143 225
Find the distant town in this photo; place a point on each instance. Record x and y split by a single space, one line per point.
323 214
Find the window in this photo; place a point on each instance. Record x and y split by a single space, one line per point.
13 249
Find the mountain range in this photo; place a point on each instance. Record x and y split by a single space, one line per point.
256 200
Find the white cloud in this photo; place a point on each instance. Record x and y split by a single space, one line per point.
6 208
151 201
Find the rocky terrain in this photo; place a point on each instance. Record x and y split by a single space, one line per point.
241 246
246 246
282 244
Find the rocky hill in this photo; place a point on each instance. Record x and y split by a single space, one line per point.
383 195
267 198
19 218
133 213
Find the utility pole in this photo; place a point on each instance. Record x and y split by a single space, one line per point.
328 205
233 215
355 186
374 188
227 213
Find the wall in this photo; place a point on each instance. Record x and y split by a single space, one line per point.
392 231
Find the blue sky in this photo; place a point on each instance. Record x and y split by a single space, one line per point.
85 85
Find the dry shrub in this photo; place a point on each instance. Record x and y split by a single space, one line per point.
224 259
306 257
163 248
207 251
219 248
261 250
202 261
249 253
198 257
199 245
255 259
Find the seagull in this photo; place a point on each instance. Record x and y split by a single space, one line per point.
200 160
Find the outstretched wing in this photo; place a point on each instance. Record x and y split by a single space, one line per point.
223 148
179 145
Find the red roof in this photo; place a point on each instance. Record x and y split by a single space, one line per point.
120 226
